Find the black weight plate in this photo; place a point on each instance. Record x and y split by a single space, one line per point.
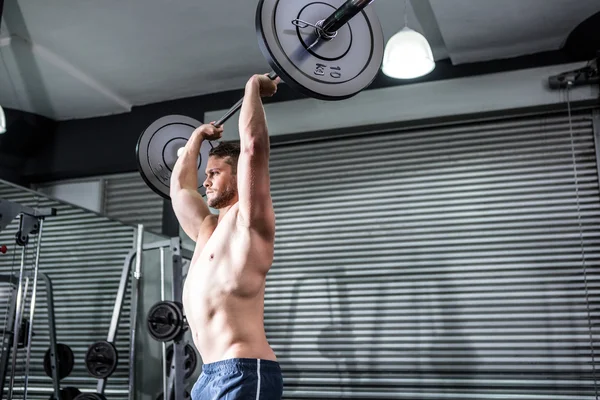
190 360
64 359
156 152
333 69
165 320
90 396
101 359
68 393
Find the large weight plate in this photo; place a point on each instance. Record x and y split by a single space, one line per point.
165 321
90 396
156 152
101 359
68 393
333 69
190 360
64 358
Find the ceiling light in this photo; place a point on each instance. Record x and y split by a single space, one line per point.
407 55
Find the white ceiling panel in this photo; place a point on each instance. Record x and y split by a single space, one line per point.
102 57
35 80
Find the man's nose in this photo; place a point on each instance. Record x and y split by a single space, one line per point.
206 182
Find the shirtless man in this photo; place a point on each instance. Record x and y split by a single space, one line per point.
223 295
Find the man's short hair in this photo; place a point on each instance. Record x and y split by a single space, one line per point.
229 151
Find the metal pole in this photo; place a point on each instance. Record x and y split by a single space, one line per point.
17 323
139 249
52 329
10 315
156 245
134 306
596 129
344 14
162 274
177 288
32 307
162 298
114 322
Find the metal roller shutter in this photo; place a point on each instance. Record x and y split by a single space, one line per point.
83 255
127 198
441 263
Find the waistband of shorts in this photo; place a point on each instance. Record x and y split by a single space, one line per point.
239 364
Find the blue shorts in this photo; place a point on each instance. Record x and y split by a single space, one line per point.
239 378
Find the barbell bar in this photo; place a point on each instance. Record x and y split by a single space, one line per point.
319 48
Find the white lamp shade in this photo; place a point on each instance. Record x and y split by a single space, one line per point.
2 121
407 55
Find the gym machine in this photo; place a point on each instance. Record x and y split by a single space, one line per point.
58 360
165 323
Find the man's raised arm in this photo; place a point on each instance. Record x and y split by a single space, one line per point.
255 205
188 205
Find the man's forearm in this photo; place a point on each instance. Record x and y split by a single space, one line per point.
252 122
185 170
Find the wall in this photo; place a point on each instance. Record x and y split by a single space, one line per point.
86 194
437 263
124 197
491 93
27 134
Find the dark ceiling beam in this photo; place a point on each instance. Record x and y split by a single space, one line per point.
1 9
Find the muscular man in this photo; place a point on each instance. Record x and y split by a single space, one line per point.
223 294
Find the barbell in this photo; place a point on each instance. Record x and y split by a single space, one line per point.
323 49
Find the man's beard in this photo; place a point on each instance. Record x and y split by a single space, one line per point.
223 199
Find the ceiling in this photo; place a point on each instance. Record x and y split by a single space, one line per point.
67 59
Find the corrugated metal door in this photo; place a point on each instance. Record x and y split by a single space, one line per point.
83 255
441 263
128 199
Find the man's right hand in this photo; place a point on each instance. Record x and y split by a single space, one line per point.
209 131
